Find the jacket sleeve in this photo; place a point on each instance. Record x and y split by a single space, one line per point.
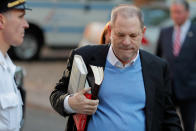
171 119
60 91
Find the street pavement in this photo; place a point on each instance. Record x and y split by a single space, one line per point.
41 120
40 79
42 75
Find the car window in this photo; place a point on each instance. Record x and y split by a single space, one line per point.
154 17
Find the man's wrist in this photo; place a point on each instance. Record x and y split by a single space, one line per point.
67 107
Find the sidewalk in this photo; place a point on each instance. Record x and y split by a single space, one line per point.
40 79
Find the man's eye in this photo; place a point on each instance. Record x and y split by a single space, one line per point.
133 35
21 16
120 35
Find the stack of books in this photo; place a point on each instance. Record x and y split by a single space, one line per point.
78 82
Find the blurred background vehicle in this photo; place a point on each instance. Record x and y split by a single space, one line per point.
60 23
19 79
154 16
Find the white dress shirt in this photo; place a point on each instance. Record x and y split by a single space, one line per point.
10 97
183 31
115 62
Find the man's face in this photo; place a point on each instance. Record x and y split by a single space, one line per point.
14 27
126 35
179 14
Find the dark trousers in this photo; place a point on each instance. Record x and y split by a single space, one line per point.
188 113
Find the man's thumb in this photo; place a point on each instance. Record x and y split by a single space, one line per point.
85 90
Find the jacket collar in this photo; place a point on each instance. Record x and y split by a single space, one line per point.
99 57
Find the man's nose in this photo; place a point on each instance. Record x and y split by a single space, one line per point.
126 40
26 24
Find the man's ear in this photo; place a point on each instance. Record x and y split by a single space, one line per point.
144 30
2 21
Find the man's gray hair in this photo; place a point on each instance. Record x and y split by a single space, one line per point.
182 2
127 11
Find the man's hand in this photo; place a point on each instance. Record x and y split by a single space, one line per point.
81 104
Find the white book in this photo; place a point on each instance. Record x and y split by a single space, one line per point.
78 75
98 74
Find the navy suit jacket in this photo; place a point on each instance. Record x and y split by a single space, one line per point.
159 110
183 66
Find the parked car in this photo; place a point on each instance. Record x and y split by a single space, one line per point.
60 23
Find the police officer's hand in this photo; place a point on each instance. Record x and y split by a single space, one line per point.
81 104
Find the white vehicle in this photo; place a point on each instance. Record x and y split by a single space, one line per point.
60 23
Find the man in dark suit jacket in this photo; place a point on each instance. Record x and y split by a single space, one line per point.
183 64
136 90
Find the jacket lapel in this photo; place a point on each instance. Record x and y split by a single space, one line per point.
99 57
186 42
147 69
170 41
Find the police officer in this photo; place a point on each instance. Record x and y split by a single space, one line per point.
12 29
